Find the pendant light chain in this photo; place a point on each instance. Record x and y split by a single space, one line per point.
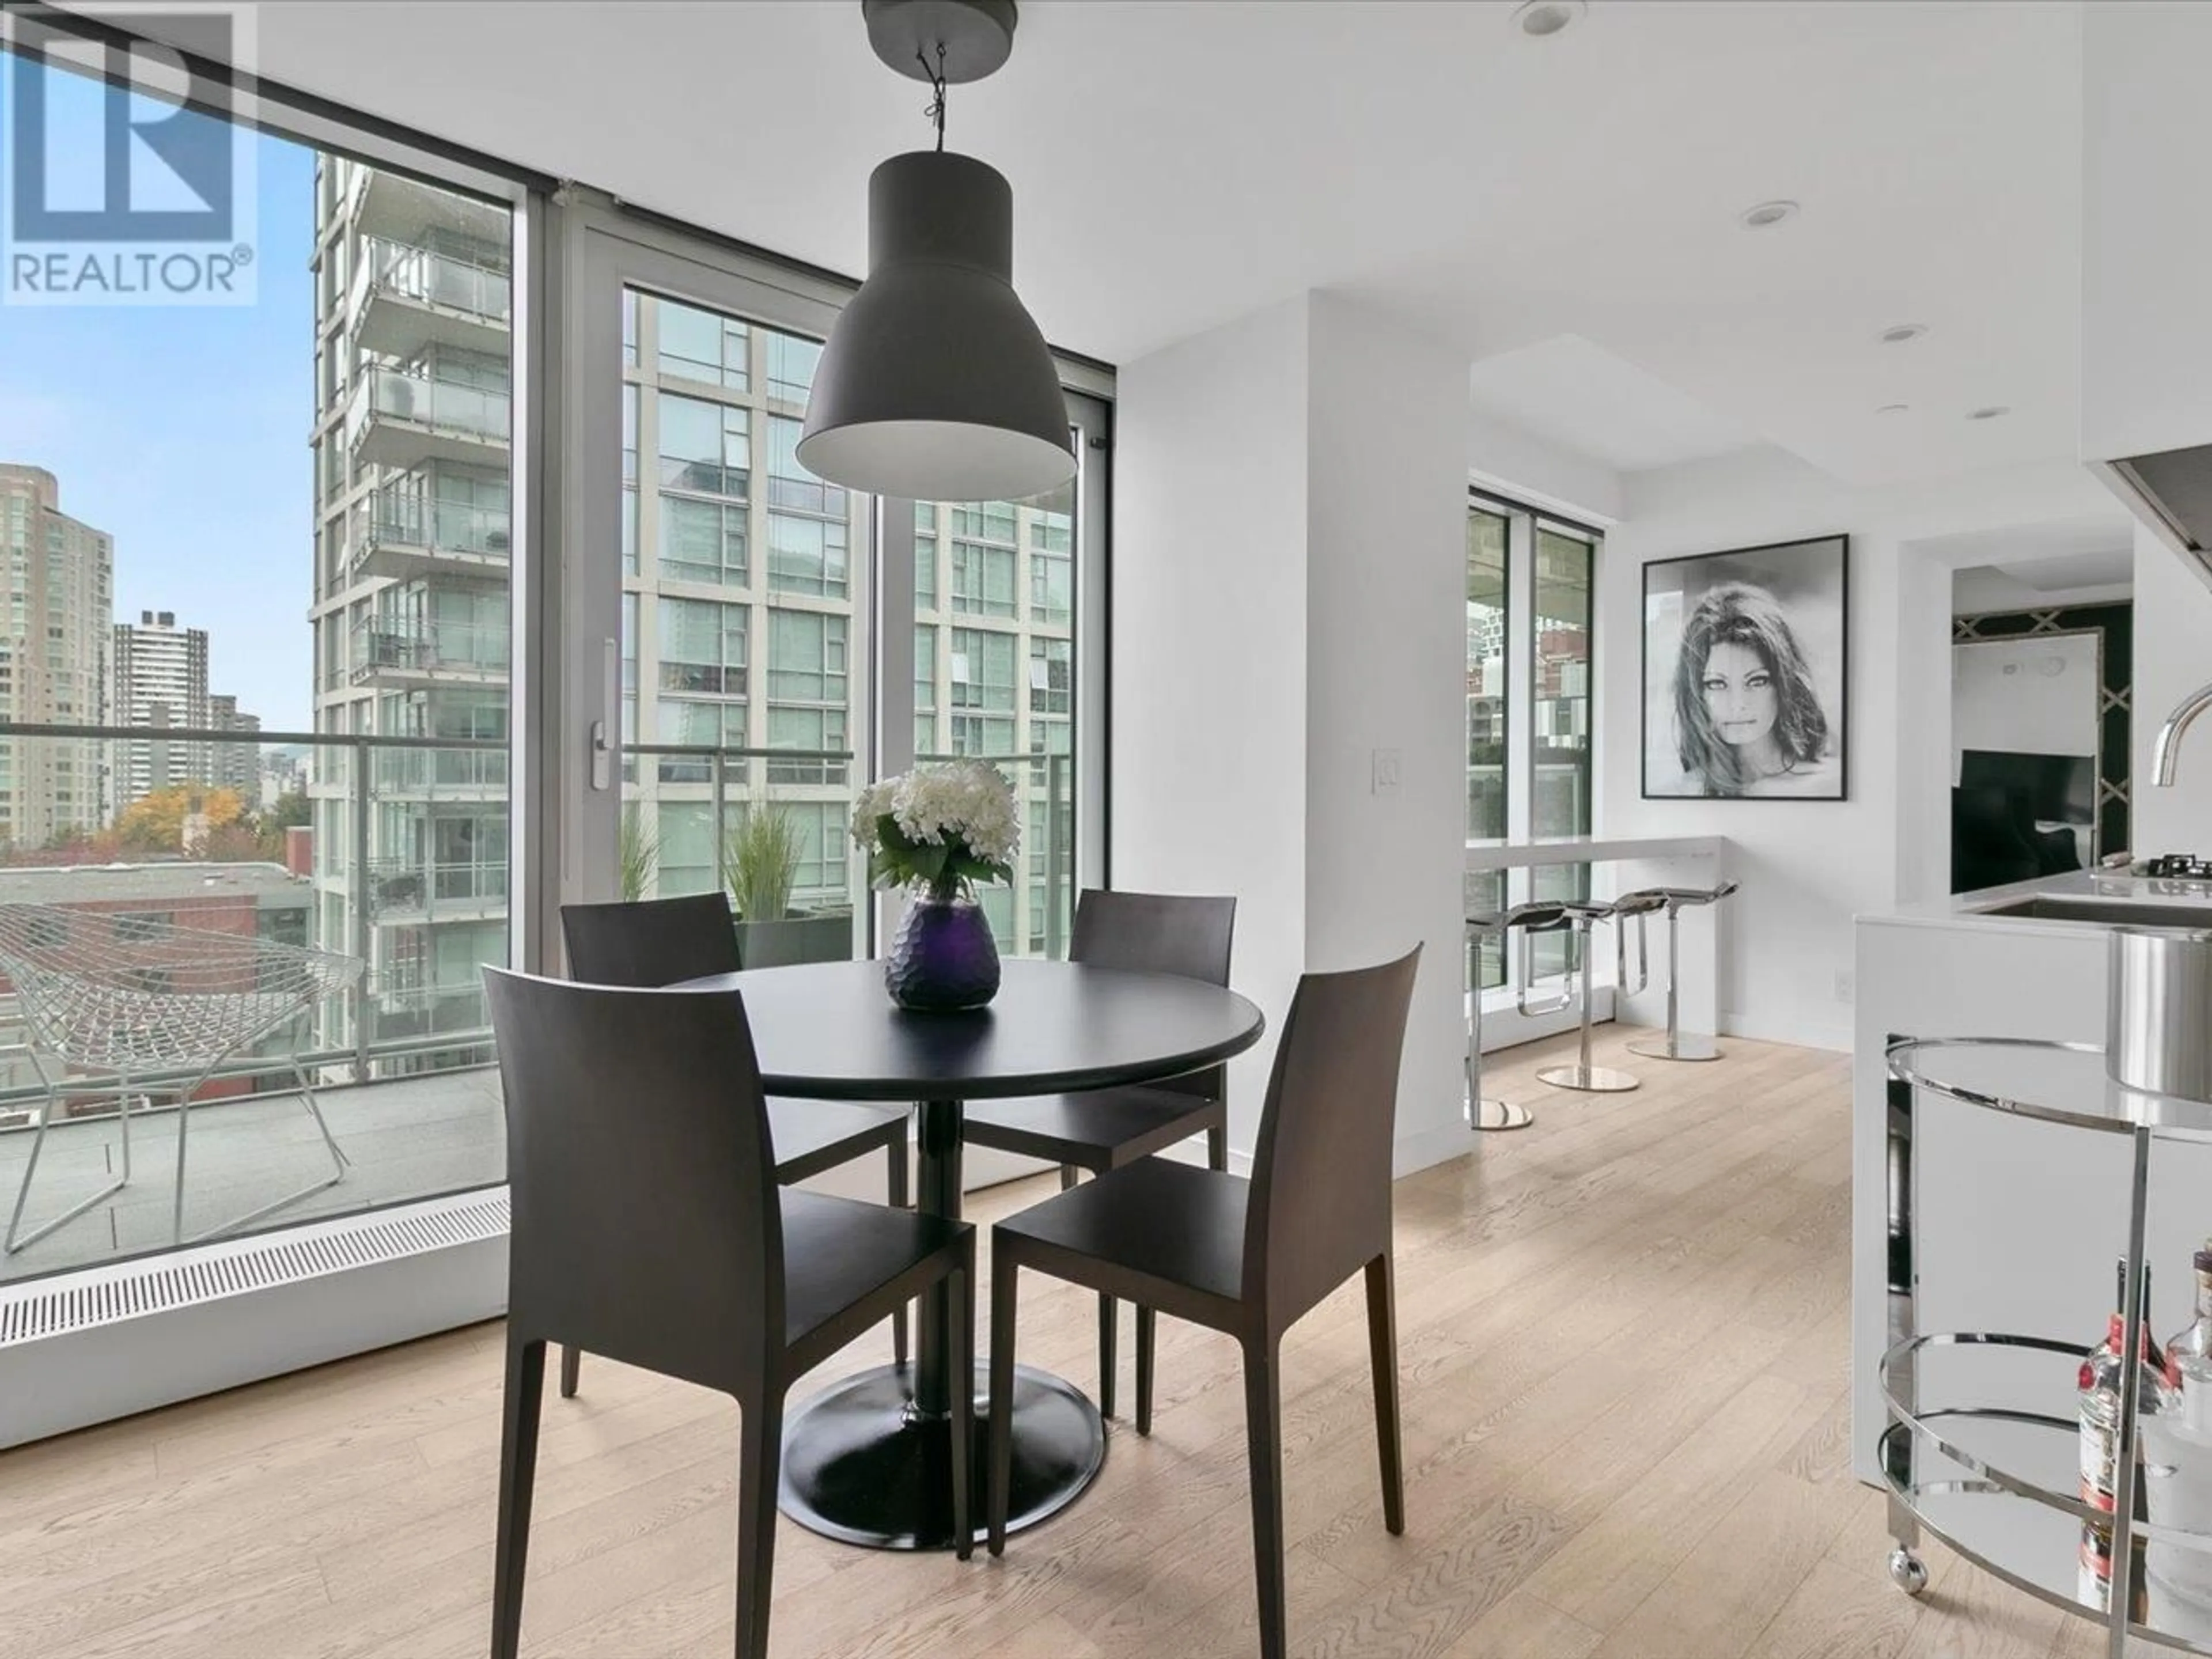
936 79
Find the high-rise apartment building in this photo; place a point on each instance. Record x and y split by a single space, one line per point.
745 615
410 607
745 605
236 765
160 680
59 579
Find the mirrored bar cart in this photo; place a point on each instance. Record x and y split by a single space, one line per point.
2067 1472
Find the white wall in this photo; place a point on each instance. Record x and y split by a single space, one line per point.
1386 649
2146 330
1806 868
1209 613
1528 470
1977 590
2173 656
1289 558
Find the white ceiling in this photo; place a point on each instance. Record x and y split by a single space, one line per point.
1177 164
1568 392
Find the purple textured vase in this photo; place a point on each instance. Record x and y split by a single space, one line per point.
944 958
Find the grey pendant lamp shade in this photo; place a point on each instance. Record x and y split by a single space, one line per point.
935 383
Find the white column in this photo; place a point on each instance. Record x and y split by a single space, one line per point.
1289 583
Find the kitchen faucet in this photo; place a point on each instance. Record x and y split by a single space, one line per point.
2169 735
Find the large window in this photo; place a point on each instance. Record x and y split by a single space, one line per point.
1561 684
746 630
995 677
1486 674
266 558
1529 702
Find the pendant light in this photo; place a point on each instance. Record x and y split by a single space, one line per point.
935 384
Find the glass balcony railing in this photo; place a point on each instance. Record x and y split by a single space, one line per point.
392 520
435 279
397 647
472 412
435 771
432 889
391 851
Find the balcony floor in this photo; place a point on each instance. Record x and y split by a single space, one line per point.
409 1139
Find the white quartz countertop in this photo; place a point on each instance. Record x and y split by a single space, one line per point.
2107 886
1590 849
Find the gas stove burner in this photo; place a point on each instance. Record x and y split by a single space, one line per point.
2184 866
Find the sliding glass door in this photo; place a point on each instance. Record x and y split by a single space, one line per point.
749 644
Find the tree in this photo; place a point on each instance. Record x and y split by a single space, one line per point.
289 812
155 823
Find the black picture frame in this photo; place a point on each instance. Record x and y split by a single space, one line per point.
1791 607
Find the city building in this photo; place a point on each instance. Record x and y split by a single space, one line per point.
160 680
725 647
410 606
236 765
60 581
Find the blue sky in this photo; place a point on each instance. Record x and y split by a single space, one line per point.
182 431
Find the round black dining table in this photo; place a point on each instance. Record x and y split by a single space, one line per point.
867 1461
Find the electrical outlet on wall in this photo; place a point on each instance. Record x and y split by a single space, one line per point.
1847 984
1385 773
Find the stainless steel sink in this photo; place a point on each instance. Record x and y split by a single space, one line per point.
2107 913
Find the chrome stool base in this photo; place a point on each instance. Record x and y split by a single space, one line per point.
1589 1080
1499 1116
1685 1046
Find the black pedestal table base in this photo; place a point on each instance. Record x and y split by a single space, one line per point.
862 1465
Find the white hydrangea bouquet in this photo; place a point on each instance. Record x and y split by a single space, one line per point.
937 827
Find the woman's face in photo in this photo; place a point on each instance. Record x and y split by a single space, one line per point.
1739 693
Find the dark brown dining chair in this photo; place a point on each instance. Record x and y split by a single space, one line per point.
657 942
657 1235
1106 1129
1248 1258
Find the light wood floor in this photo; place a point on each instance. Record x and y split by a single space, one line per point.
1623 1344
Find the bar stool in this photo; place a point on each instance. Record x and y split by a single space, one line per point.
1541 916
1586 913
1676 1045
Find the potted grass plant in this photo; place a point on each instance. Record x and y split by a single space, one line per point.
760 866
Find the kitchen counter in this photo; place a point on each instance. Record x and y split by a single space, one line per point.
1984 909
2014 1224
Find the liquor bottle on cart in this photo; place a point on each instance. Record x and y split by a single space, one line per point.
2102 1377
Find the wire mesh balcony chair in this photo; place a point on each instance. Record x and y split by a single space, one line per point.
157 1008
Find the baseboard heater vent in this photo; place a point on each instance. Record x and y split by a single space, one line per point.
108 1340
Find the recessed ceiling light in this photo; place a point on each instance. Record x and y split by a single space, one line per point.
1893 409
1767 214
1988 412
1540 18
1901 332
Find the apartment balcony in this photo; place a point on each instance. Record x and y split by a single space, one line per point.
409 651
405 421
439 775
442 1132
425 891
409 299
396 208
405 537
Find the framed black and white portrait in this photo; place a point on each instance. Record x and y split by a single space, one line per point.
1745 659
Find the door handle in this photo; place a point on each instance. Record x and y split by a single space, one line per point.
602 753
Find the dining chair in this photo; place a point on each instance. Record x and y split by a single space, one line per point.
656 1234
649 943
1106 1129
1248 1258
